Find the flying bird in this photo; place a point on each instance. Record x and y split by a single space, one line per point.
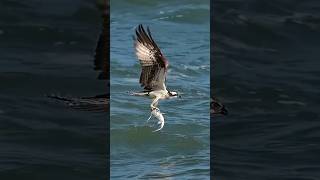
154 69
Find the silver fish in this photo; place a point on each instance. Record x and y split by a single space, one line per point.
156 113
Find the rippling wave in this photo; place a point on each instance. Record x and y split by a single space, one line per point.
47 47
265 69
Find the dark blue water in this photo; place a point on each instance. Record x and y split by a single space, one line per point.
47 47
265 68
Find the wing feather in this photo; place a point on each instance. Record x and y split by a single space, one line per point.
153 63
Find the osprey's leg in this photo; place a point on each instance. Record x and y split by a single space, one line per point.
154 104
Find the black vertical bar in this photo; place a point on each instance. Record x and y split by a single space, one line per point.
106 47
107 22
211 88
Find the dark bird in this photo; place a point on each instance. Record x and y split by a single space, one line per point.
154 69
216 107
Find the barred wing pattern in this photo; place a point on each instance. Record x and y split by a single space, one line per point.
153 63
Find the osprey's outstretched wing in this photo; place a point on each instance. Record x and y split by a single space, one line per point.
153 63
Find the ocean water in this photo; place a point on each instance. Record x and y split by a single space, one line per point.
47 47
266 69
181 150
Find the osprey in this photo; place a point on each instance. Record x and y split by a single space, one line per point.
154 68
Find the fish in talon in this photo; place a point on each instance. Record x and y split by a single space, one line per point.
159 116
153 110
161 123
156 113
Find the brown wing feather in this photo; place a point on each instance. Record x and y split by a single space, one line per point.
152 82
152 61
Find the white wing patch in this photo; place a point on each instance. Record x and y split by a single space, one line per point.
145 55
